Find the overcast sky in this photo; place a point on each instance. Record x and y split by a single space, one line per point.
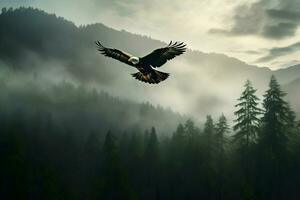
260 32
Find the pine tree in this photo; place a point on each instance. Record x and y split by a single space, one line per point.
116 184
209 157
246 131
222 128
209 134
111 165
151 166
192 134
152 152
179 135
277 117
191 130
247 122
3 10
135 148
178 144
273 153
176 156
209 142
92 164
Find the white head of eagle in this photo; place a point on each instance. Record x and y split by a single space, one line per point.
134 60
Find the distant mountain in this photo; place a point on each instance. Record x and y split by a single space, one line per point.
289 74
293 90
52 48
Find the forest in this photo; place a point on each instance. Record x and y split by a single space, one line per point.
75 126
45 156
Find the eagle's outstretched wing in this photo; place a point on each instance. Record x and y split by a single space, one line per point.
114 53
160 56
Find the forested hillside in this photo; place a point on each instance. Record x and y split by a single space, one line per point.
200 83
82 109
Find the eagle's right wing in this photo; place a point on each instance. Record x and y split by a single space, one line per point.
159 57
114 53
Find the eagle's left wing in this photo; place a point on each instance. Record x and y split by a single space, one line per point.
114 53
160 56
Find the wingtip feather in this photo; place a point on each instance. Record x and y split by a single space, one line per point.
99 44
179 46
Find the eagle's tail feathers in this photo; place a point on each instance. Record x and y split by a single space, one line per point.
153 77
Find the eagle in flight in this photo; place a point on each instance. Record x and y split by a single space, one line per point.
146 64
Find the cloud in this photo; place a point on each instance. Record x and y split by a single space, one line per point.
283 14
280 30
264 18
250 52
247 20
124 8
277 52
181 20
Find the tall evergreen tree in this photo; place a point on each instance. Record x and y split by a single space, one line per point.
247 121
273 141
277 117
135 160
177 147
191 131
246 131
222 128
151 167
192 157
152 151
209 134
116 185
209 147
179 135
91 165
176 155
192 137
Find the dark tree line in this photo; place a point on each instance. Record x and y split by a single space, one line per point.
259 159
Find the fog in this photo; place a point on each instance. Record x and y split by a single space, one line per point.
199 83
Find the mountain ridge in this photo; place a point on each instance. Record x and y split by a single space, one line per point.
200 83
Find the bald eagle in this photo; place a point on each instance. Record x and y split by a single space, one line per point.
145 64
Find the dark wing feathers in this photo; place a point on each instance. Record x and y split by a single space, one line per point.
114 53
160 56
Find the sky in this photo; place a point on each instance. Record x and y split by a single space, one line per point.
260 32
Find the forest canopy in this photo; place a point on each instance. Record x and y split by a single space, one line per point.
64 149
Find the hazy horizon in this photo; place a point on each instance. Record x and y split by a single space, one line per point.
199 83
